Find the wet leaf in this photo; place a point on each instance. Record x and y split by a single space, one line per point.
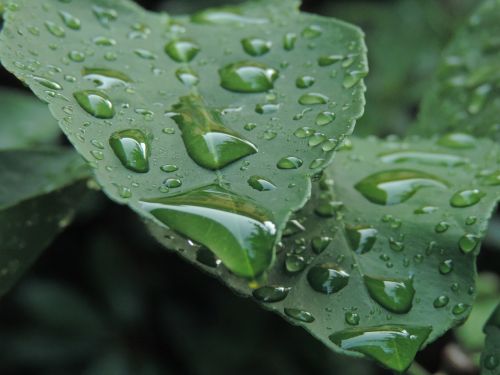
176 112
490 358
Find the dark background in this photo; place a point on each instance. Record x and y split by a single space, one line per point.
106 299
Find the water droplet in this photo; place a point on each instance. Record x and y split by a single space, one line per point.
241 234
441 227
325 118
303 132
352 318
182 50
206 257
295 263
396 295
256 46
395 186
317 163
327 278
394 346
457 141
466 198
145 54
303 82
76 56
427 158
327 207
313 98
320 243
248 77
104 41
289 41
169 168
269 294
187 76
446 266
353 78
47 83
208 142
312 31
329 60
172 183
491 179
470 220
55 29
361 238
225 16
105 78
460 308
266 109
468 242
441 301
289 162
425 210
132 148
104 15
250 126
261 183
95 103
70 21
299 315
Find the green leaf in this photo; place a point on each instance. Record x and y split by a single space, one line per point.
228 113
363 275
490 358
25 121
464 96
39 193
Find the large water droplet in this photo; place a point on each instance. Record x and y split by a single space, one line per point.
239 232
182 50
329 60
295 263
248 77
446 266
393 294
327 278
187 76
95 103
427 158
466 198
361 238
132 148
353 78
394 346
441 301
468 242
270 294
224 16
256 46
289 41
70 21
106 78
325 118
261 183
55 29
396 186
207 141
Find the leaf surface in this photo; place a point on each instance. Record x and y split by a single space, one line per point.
490 358
229 112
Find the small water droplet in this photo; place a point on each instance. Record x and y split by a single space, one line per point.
70 21
145 54
446 266
256 46
425 210
361 238
289 162
289 41
312 32
132 149
441 301
261 183
182 50
269 294
468 242
299 315
304 82
320 243
491 179
47 83
457 141
267 109
55 29
106 78
169 168
325 118
327 278
295 263
352 318
95 103
329 60
460 308
313 98
441 227
353 78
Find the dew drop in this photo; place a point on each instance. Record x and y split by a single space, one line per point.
312 32
169 168
256 46
295 263
132 148
395 186
269 294
441 227
396 295
187 76
353 78
289 41
70 21
304 82
289 162
457 141
352 318
325 118
182 50
242 234
47 83
299 315
55 29
261 183
468 242
95 103
320 243
361 238
329 60
426 158
248 77
466 198
327 278
446 266
313 99
106 78
459 308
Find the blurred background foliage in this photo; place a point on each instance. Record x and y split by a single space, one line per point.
105 299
